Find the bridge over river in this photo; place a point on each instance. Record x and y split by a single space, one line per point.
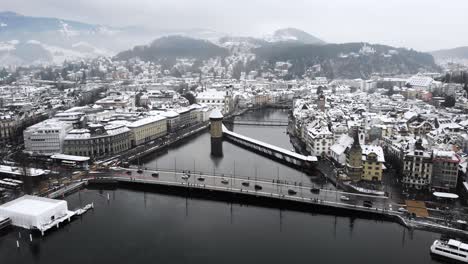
254 122
306 194
284 155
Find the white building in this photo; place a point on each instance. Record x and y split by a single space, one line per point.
33 211
221 100
46 137
420 82
319 139
147 129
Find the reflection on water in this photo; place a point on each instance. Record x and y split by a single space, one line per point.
144 227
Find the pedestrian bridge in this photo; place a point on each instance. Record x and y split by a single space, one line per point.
252 122
271 151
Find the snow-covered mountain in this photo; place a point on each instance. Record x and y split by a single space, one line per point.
293 35
15 52
53 40
56 40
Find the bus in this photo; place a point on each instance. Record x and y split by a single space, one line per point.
69 163
13 181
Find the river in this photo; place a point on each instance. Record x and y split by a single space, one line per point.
143 227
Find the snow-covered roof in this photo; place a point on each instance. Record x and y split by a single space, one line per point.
146 121
19 171
368 149
445 195
216 114
69 157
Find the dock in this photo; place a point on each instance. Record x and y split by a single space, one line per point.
4 222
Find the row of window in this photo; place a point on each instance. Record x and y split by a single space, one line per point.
212 101
451 252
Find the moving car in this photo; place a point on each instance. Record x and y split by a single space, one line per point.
315 190
344 198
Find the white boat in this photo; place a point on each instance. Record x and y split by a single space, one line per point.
451 249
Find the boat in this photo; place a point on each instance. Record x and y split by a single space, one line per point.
451 249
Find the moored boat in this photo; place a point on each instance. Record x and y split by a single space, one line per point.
452 249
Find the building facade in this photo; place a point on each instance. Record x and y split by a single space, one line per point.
97 141
417 167
147 129
444 170
46 138
372 163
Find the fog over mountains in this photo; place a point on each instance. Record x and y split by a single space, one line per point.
37 40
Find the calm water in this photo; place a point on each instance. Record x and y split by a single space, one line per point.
139 227
194 154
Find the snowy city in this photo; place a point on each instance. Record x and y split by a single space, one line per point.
180 146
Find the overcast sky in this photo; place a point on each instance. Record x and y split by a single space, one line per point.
419 24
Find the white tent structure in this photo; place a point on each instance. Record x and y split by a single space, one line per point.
33 211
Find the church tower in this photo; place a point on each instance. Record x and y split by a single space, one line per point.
321 103
354 158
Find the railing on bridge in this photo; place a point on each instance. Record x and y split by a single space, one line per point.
305 193
252 122
269 150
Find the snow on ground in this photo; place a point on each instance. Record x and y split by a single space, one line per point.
83 46
3 25
61 54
